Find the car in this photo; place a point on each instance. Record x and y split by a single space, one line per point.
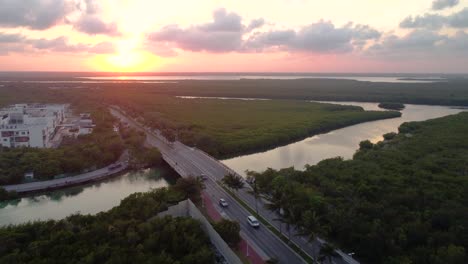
223 202
253 222
203 177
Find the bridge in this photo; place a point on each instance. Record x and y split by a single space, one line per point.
188 161
91 176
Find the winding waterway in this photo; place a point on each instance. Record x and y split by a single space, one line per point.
87 199
102 196
341 142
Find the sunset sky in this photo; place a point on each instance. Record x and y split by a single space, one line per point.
234 36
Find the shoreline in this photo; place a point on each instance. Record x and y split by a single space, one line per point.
314 132
54 184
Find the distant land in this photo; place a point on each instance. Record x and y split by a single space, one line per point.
392 77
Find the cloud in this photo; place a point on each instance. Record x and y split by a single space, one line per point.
10 38
45 14
460 19
61 44
434 21
102 48
223 34
256 23
365 32
320 37
89 7
34 14
223 21
18 43
10 43
429 21
93 25
197 39
421 44
226 33
442 4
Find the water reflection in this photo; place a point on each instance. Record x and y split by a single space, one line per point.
88 199
341 142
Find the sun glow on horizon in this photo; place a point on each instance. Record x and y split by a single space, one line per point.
128 58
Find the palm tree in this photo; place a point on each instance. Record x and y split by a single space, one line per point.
233 181
310 226
255 192
327 252
190 187
276 203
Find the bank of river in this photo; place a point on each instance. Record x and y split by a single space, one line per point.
94 198
341 142
87 199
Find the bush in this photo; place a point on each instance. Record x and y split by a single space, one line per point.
229 231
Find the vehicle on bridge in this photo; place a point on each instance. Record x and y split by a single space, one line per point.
223 202
253 222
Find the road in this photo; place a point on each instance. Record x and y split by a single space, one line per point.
73 180
191 161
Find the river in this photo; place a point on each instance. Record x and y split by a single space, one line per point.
341 142
94 198
87 199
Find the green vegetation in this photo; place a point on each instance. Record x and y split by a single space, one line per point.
392 106
128 233
233 181
403 200
95 150
140 156
7 195
226 128
223 128
191 187
453 92
229 231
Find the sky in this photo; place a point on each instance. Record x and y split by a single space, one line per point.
417 36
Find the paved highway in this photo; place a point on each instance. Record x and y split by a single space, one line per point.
191 161
262 240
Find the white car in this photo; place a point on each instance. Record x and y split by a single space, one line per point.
253 222
223 202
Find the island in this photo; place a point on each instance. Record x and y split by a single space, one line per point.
392 106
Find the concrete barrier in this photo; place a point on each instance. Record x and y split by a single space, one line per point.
187 209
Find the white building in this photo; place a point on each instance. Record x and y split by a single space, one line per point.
30 125
86 126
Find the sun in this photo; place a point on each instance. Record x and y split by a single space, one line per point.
128 58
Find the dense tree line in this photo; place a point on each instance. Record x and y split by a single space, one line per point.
226 128
451 92
128 233
402 200
392 106
98 149
140 155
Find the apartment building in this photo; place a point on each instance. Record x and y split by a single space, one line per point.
30 125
